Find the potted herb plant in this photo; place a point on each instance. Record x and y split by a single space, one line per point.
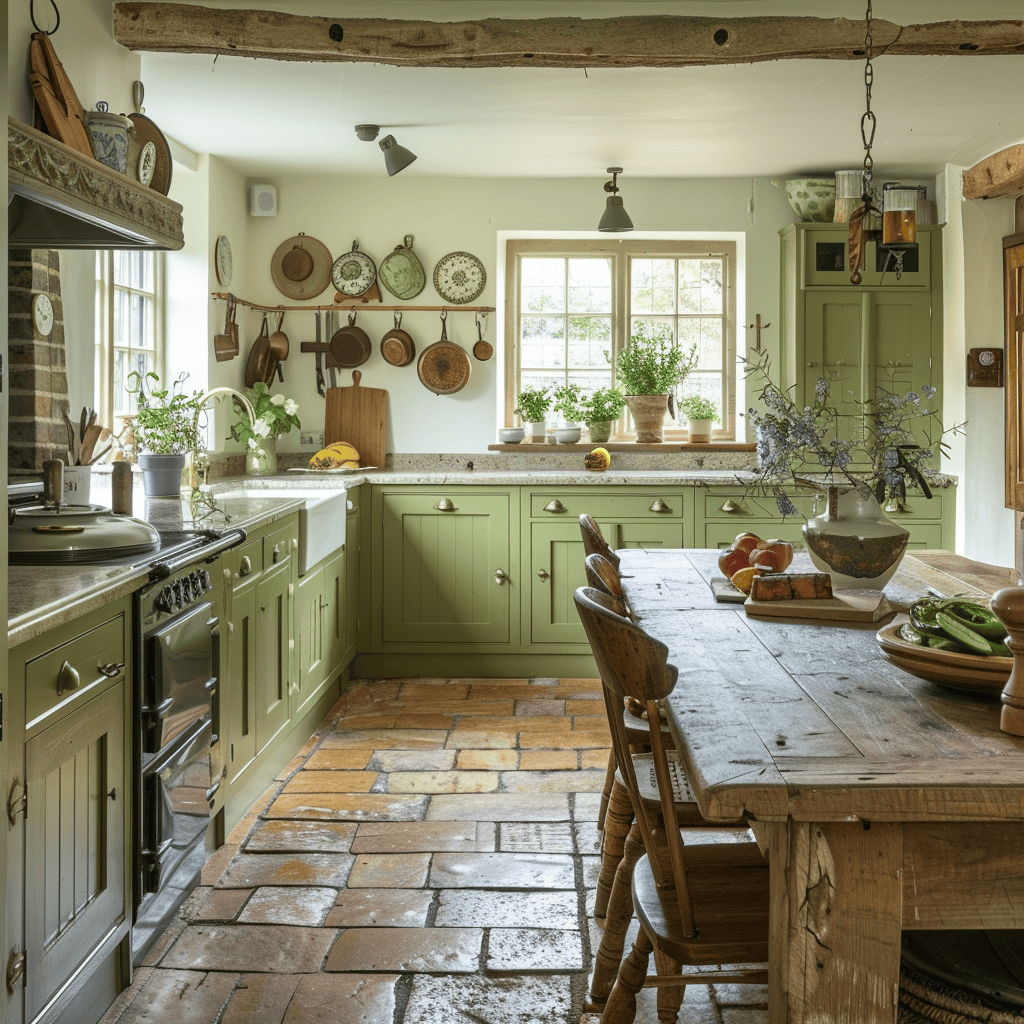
601 410
533 409
275 416
568 401
166 430
648 371
700 412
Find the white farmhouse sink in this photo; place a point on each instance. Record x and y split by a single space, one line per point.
321 517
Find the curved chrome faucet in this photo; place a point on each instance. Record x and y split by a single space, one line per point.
201 496
216 392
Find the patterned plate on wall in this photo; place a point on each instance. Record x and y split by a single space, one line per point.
459 278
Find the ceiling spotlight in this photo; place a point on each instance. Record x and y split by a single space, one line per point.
615 217
396 157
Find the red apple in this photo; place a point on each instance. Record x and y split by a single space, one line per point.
746 542
784 550
766 558
731 560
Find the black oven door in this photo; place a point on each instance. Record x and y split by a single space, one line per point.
179 678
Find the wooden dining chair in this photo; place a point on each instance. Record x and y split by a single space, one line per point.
698 905
594 542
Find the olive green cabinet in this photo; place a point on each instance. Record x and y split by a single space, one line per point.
320 626
445 569
68 904
351 617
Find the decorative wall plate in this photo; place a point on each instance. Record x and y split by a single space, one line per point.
354 272
301 267
401 272
147 163
459 278
145 132
223 260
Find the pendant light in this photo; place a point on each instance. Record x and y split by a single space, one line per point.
899 205
615 217
396 157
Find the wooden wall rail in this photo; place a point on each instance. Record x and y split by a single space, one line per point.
356 306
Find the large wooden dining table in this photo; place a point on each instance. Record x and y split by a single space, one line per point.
883 802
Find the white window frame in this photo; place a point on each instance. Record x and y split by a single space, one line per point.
104 362
728 245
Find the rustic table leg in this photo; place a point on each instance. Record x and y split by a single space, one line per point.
836 916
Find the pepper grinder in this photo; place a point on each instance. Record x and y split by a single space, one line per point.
121 489
1008 604
53 481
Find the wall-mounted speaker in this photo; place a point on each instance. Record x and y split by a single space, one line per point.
262 201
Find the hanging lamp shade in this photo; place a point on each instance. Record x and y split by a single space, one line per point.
396 157
614 217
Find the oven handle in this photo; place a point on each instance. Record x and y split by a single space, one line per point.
227 540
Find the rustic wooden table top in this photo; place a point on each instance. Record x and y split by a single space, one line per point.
787 719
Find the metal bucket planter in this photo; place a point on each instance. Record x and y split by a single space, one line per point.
161 473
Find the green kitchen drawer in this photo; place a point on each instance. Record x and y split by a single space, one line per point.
733 504
916 507
280 544
564 503
244 562
722 535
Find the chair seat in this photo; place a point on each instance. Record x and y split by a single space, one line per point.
728 885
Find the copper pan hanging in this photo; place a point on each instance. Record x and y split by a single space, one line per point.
397 346
350 345
444 367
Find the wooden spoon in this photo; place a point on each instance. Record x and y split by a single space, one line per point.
92 435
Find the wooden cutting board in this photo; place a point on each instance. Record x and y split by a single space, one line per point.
358 415
55 96
843 606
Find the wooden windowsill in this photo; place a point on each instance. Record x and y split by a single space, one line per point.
528 448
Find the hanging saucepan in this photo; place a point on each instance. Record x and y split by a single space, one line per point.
444 366
354 272
279 345
350 345
483 350
260 365
397 347
401 272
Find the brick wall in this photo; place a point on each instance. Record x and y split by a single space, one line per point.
38 370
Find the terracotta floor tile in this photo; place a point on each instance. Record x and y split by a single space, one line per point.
499 807
583 705
371 720
389 871
185 997
261 999
348 998
488 739
331 782
380 908
485 908
351 807
301 837
340 760
425 837
425 720
552 782
536 871
596 758
219 905
442 782
487 760
378 739
451 950
413 760
164 942
592 723
534 949
216 862
289 904
547 760
274 949
540 706
518 723
417 690
536 837
527 1000
485 692
567 740
249 870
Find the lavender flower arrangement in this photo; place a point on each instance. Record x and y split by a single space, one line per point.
879 454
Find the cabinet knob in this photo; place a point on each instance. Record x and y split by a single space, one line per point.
554 505
660 506
68 678
111 669
446 505
542 575
730 506
500 577
245 566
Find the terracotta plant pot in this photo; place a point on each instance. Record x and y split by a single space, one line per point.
648 412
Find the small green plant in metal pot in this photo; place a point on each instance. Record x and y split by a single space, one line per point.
532 408
600 410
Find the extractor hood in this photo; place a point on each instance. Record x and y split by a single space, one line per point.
57 198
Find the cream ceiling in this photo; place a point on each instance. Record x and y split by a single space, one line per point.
776 119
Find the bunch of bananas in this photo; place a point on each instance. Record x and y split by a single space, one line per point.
340 455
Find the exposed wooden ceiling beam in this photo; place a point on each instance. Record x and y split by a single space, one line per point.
1001 174
657 41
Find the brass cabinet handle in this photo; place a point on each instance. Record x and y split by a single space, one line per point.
542 575
895 505
730 506
660 506
554 505
111 669
446 505
68 678
500 577
245 566
276 553
15 969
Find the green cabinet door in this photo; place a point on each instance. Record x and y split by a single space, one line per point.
446 571
556 570
75 835
333 611
310 637
238 697
273 652
351 620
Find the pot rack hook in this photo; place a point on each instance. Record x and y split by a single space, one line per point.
444 314
398 319
352 318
